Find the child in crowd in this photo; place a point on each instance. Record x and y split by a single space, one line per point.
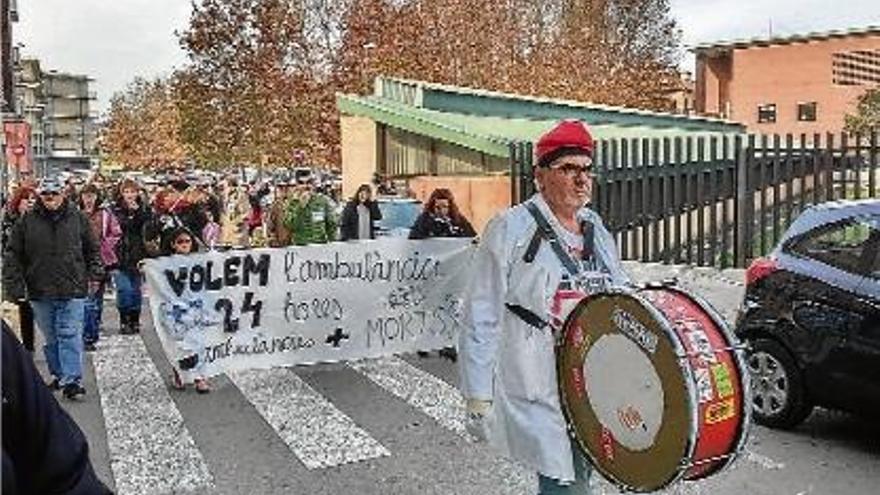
189 368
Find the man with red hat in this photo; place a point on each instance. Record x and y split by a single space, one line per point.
529 259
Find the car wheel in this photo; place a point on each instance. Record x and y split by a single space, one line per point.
779 399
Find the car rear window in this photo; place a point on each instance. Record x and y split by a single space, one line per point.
852 245
396 215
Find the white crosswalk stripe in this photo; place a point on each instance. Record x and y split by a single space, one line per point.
318 433
151 450
439 400
420 389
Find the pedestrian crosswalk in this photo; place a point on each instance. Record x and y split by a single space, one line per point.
311 426
389 425
324 427
152 450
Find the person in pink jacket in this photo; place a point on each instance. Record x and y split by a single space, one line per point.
107 232
211 231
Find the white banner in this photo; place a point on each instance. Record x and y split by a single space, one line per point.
280 307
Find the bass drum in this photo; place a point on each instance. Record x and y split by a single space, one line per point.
652 384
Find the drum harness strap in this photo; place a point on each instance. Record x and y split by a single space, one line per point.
546 232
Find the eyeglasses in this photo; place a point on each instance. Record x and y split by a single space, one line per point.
183 240
50 193
573 169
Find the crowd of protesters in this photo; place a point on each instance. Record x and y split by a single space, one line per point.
67 243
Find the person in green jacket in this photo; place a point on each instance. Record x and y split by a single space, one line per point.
310 217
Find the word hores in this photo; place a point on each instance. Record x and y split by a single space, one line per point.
235 271
319 308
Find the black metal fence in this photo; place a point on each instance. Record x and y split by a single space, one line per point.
715 200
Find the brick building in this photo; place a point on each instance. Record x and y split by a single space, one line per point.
796 84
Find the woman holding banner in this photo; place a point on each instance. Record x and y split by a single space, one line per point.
189 368
441 218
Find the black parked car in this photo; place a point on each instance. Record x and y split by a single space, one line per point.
812 316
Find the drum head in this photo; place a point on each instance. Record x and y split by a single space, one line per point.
629 402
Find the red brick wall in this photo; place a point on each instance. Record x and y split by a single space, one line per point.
787 75
713 85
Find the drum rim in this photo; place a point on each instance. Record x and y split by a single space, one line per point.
689 381
745 378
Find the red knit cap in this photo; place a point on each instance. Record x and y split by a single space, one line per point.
569 137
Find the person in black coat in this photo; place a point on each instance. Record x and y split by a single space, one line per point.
51 252
53 260
359 216
441 218
135 220
44 451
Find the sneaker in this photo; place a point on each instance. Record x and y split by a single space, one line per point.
73 391
449 353
134 321
422 354
54 385
90 347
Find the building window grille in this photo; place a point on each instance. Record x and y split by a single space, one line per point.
767 113
856 68
807 112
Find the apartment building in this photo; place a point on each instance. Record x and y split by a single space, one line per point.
795 84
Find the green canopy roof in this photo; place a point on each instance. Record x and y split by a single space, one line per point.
488 122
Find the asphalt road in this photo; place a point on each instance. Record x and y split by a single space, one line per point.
391 426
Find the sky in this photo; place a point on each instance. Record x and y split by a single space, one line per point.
115 41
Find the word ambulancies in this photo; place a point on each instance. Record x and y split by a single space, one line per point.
371 267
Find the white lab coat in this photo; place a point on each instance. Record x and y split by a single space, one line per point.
507 361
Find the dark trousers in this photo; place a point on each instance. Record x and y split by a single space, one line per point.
26 323
94 311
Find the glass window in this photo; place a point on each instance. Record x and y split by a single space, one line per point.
767 113
807 112
851 245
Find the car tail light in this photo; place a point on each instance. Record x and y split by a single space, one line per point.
759 269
